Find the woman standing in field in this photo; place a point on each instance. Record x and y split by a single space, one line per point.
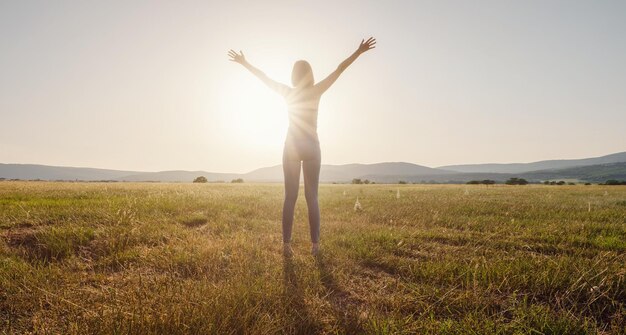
302 148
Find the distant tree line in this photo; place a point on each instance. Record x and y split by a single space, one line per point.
359 181
516 181
560 182
510 181
614 182
481 182
202 179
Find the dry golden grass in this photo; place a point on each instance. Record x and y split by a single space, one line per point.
122 258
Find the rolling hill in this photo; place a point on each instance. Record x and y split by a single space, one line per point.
536 166
46 172
342 173
610 167
592 173
329 173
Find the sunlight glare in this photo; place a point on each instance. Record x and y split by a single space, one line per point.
252 114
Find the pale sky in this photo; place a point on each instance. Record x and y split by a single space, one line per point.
147 85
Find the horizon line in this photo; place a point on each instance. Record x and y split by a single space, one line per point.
442 167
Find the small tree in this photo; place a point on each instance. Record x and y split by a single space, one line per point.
401 182
237 181
357 181
516 181
201 179
366 181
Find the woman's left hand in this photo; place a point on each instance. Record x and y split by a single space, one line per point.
367 45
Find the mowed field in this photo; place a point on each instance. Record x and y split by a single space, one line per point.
126 258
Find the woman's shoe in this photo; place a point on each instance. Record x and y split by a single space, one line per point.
315 249
287 250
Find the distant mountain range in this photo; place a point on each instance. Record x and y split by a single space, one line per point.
598 169
342 173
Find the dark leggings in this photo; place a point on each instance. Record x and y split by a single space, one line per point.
303 154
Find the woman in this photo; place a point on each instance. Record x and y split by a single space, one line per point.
302 148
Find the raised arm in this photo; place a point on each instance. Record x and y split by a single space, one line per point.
279 88
328 81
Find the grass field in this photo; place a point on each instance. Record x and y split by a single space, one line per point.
124 258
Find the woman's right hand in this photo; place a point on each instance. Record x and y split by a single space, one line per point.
236 57
367 45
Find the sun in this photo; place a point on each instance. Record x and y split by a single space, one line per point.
252 114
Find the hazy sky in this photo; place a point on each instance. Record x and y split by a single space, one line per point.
146 85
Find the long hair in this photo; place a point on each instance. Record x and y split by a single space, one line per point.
302 74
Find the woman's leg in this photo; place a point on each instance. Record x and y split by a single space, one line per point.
311 170
291 171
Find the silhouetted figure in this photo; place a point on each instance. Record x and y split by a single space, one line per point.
302 148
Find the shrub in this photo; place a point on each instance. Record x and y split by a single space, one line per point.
516 181
201 179
357 181
237 181
615 182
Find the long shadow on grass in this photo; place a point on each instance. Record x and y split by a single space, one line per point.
303 322
344 306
